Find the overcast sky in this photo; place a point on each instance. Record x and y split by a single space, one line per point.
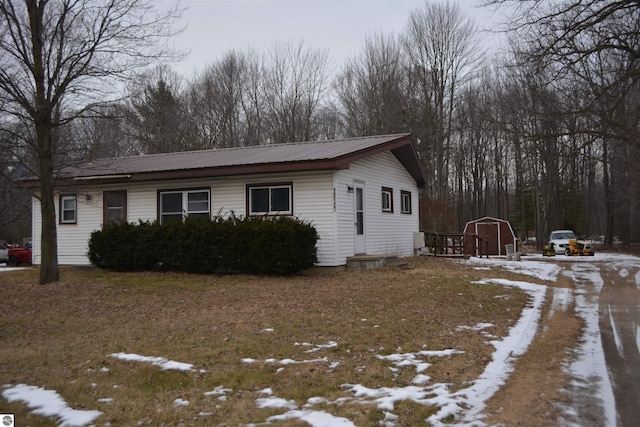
214 27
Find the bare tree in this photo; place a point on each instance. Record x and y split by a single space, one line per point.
15 204
215 103
294 84
106 133
252 100
370 88
590 51
479 171
60 57
596 42
439 42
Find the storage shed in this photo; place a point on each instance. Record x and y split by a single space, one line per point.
495 232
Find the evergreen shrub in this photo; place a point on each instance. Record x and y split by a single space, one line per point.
259 245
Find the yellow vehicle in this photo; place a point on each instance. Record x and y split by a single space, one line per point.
549 250
578 248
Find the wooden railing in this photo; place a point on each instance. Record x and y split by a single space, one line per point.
456 244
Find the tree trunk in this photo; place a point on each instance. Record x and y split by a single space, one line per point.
49 270
608 214
634 195
42 119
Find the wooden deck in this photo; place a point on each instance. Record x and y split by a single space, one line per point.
455 245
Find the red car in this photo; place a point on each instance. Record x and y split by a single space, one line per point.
19 255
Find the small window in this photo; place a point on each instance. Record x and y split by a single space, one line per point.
387 199
68 209
178 204
198 204
405 202
115 206
170 206
272 199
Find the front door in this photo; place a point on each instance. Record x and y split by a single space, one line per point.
360 245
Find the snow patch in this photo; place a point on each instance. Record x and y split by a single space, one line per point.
275 402
49 403
180 402
163 363
562 297
589 370
313 418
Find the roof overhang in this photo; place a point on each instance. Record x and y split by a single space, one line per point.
402 148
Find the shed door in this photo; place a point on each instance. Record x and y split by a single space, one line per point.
491 232
358 211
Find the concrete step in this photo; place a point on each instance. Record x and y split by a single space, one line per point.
369 262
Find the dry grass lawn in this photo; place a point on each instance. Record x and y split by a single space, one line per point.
60 337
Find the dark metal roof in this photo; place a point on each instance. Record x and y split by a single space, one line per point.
320 155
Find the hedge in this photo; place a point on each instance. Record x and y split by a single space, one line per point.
258 245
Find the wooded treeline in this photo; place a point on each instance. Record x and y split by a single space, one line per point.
544 134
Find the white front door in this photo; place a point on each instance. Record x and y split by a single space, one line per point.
360 246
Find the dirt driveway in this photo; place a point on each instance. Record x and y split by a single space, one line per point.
605 389
619 312
583 368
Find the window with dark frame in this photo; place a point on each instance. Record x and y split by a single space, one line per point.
68 209
179 204
387 199
115 206
198 204
405 202
270 199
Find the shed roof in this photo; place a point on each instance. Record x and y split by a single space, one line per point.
298 156
487 219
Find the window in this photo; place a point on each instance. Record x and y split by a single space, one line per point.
198 204
178 204
271 199
387 199
68 209
359 211
405 202
115 206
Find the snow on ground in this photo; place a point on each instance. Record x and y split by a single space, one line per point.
466 405
498 370
313 418
3 267
530 266
163 363
49 404
249 360
589 370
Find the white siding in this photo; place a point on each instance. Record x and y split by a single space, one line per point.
386 233
312 201
72 238
36 230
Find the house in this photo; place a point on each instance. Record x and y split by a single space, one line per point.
360 194
495 232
